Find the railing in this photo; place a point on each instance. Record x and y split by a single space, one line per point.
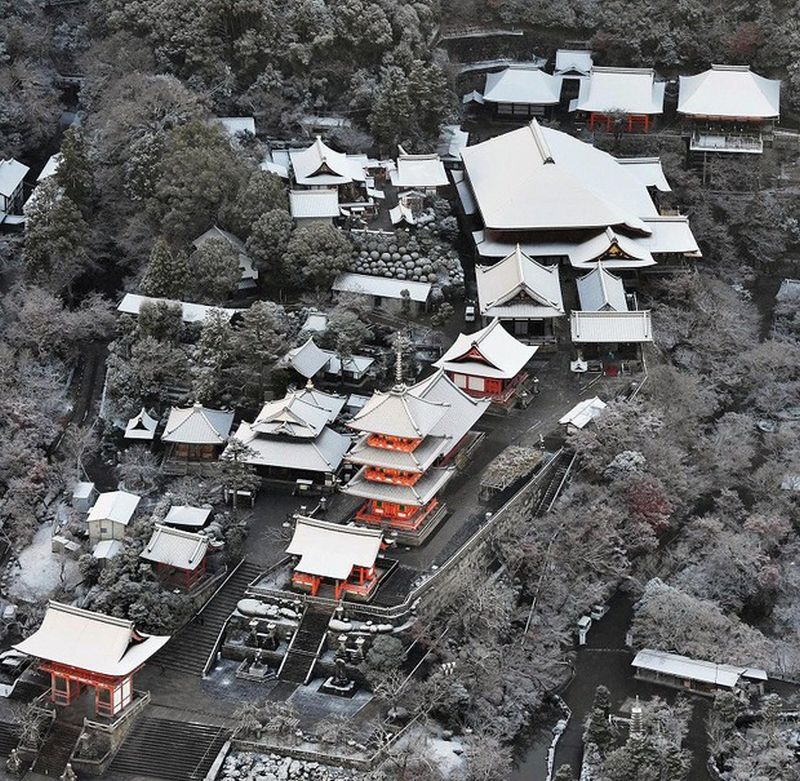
140 700
215 648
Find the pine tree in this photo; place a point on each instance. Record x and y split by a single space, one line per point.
235 473
564 773
167 272
214 272
598 730
264 192
55 235
267 245
74 171
259 341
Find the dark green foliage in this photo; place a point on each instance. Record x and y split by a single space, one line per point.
167 272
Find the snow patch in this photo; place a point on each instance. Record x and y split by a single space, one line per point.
39 574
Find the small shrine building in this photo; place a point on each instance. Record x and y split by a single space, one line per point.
80 648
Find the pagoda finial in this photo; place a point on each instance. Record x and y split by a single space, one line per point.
401 343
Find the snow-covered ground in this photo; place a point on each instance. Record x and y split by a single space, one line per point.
40 574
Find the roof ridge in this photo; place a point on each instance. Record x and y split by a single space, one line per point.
541 143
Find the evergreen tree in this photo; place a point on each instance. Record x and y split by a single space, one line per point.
598 730
259 342
74 172
167 272
214 272
264 192
160 320
267 245
216 361
55 235
235 473
319 252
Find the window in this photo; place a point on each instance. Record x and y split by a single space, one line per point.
476 383
460 380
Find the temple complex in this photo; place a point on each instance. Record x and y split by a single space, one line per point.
80 648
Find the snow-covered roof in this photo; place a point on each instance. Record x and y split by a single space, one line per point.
307 359
537 178
235 125
385 287
423 171
331 550
115 506
12 172
527 85
491 352
323 454
518 286
107 549
141 426
464 193
402 213
462 412
315 321
175 548
417 495
472 97
319 204
50 167
332 402
726 675
648 170
573 61
611 327
619 250
625 90
184 515
398 413
291 416
271 167
215 232
584 412
318 164
600 290
190 313
83 490
729 91
197 425
90 641
357 365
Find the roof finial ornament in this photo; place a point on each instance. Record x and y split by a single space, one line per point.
401 343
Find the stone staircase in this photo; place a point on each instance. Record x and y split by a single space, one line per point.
555 483
169 750
9 738
191 648
57 748
298 664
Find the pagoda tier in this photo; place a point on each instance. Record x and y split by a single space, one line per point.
366 453
396 503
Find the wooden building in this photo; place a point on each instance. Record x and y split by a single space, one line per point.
178 557
521 92
422 173
335 556
408 440
728 109
564 201
110 515
247 270
523 294
12 177
80 649
609 341
196 433
489 363
141 427
693 675
291 439
630 96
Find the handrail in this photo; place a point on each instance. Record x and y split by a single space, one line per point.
215 648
